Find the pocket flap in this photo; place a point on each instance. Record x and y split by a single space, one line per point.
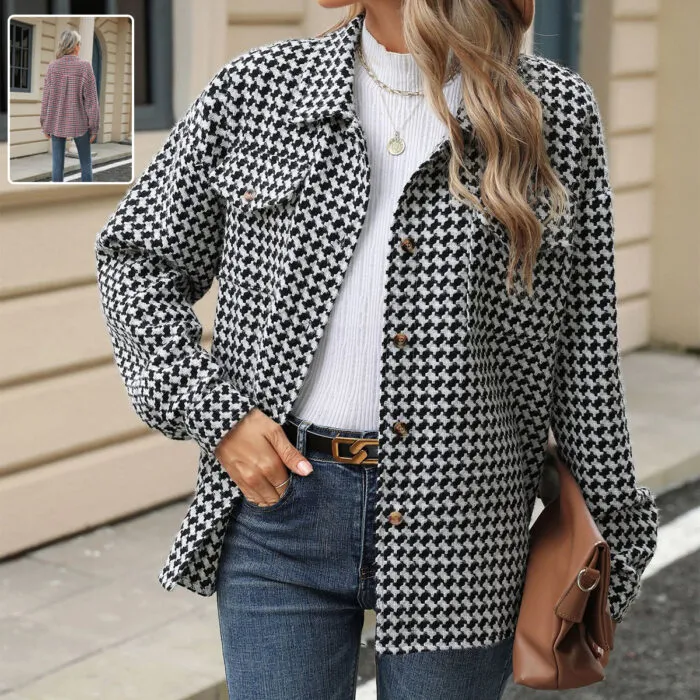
257 188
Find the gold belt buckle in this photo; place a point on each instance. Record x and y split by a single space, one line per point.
356 449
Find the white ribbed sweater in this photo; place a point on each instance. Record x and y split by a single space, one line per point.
341 388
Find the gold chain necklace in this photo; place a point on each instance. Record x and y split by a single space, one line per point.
396 144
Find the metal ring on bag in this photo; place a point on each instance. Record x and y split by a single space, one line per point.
578 582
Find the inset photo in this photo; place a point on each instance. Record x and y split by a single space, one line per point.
70 98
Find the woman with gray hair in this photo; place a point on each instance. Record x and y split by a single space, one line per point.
70 106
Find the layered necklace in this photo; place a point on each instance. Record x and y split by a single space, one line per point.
396 144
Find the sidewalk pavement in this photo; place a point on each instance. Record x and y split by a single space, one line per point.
86 617
38 167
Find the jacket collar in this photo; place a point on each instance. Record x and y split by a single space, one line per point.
326 85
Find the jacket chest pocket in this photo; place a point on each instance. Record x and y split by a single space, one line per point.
496 314
259 207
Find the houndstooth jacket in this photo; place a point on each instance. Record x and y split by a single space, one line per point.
482 379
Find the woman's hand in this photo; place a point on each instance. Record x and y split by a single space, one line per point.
254 453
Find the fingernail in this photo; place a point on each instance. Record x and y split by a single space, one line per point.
304 467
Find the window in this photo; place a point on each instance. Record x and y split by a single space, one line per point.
20 56
153 57
556 31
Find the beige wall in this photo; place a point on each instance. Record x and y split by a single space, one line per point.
24 132
675 307
620 60
643 60
74 453
114 35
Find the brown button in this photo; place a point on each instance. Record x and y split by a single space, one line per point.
400 339
395 517
400 428
249 194
408 244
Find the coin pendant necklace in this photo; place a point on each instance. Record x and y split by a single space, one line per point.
396 144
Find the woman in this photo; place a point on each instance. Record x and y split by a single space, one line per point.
69 106
398 326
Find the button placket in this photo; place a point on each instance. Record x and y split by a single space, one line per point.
400 339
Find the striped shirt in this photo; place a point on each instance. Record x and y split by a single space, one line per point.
69 103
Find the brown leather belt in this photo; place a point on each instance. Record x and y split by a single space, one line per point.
348 450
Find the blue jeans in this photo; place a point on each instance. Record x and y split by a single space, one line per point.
58 155
293 582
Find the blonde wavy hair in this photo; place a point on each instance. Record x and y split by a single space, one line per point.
486 36
67 42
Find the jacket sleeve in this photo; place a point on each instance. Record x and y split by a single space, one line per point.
588 408
156 256
91 101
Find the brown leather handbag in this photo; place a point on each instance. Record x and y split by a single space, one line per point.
565 596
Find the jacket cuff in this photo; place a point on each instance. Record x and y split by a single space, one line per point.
628 563
213 411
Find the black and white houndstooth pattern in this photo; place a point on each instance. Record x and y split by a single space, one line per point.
479 383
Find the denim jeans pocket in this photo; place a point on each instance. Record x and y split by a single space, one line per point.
284 498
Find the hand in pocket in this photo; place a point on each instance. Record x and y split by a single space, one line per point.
258 457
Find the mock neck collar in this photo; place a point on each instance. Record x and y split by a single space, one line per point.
325 87
397 70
